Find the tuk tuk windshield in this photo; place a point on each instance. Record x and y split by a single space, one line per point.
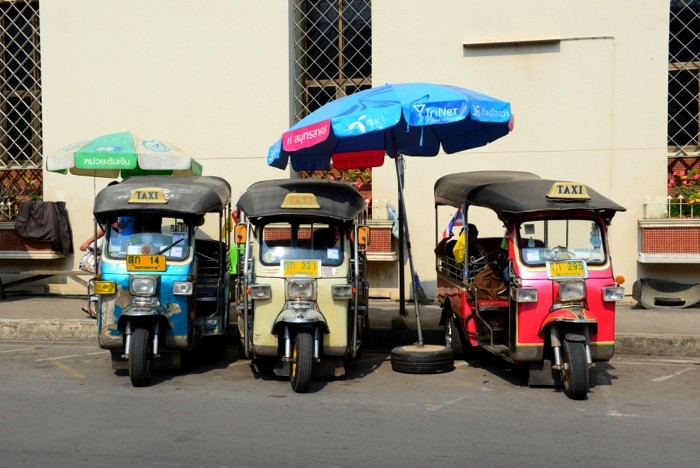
285 241
148 235
552 240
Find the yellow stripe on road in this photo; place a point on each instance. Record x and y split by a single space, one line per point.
67 368
61 365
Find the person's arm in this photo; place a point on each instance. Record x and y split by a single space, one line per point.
84 246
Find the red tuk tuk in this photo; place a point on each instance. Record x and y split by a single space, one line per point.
545 294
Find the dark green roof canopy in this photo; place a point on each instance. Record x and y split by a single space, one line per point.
189 197
337 200
512 192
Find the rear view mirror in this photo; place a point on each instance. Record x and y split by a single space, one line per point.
241 234
363 236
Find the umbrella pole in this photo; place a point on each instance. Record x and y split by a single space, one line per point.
402 281
404 224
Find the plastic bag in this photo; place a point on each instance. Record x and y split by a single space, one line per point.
87 261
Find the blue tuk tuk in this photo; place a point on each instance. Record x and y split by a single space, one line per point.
162 284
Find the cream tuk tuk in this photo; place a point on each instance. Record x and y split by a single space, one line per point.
302 296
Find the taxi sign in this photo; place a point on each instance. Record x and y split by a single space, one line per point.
301 267
145 263
568 191
148 195
300 200
567 269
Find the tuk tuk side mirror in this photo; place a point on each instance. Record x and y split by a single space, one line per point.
363 236
241 234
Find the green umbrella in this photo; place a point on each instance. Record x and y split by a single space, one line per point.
122 155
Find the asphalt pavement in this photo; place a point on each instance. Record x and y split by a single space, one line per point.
648 332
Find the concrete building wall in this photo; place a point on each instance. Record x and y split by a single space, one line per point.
586 82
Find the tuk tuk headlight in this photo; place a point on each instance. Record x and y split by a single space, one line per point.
301 289
572 291
105 287
523 294
260 291
341 291
182 288
613 293
143 285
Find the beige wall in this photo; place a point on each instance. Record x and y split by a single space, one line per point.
214 79
590 108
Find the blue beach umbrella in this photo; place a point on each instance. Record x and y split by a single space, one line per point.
395 120
405 119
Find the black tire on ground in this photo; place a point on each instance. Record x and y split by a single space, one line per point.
302 362
454 338
140 356
428 359
574 372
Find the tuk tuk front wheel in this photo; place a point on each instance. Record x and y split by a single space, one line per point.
140 356
574 371
302 362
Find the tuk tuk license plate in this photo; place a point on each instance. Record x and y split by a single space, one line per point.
568 269
145 263
300 267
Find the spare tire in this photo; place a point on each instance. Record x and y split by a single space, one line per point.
426 359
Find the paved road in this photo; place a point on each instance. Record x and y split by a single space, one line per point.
62 405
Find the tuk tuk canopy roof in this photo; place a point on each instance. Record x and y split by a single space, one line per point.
512 192
188 197
336 200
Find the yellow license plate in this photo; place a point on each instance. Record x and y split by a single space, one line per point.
569 269
301 267
145 263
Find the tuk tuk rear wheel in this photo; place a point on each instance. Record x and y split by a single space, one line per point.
140 356
454 339
574 372
302 362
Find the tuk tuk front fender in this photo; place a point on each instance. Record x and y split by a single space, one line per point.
569 315
309 317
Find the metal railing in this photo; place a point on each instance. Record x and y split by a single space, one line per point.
670 207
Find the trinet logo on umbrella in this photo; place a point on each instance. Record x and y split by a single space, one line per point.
427 115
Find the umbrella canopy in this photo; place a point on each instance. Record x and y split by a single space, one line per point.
412 119
403 119
122 154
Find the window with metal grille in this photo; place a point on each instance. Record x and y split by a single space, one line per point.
332 59
684 78
332 51
20 72
21 145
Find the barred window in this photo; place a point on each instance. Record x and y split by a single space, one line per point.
332 51
684 78
20 72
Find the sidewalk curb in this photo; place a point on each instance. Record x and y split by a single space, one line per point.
41 329
676 346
